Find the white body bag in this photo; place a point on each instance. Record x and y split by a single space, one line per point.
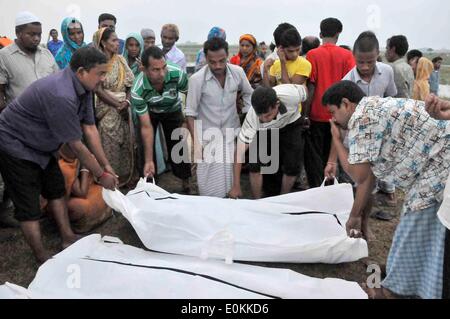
94 268
304 227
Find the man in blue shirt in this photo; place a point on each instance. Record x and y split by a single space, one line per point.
435 76
54 45
52 111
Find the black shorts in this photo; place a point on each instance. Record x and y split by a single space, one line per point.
25 181
289 151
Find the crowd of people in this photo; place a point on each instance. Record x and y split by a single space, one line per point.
78 116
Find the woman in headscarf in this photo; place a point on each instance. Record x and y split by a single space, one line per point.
134 46
149 38
421 84
248 59
112 107
73 36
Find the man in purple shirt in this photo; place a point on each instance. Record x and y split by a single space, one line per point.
52 111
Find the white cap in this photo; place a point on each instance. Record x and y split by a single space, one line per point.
26 17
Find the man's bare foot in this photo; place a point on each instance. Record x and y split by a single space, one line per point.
378 293
70 241
42 257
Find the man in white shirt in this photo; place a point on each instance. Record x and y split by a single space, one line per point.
274 109
396 48
170 34
213 119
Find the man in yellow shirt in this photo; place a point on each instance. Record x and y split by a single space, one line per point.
290 68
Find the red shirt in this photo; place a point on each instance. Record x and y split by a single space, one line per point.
330 64
236 59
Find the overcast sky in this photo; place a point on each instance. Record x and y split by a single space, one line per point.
426 23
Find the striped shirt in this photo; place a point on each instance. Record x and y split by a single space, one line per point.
145 98
18 70
290 96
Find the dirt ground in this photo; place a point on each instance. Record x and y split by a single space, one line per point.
18 266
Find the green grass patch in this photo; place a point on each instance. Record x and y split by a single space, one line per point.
445 75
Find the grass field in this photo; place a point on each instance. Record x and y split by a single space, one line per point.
445 75
445 70
445 56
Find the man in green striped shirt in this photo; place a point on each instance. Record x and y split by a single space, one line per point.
156 99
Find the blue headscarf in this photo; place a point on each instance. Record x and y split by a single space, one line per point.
65 53
217 32
140 40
